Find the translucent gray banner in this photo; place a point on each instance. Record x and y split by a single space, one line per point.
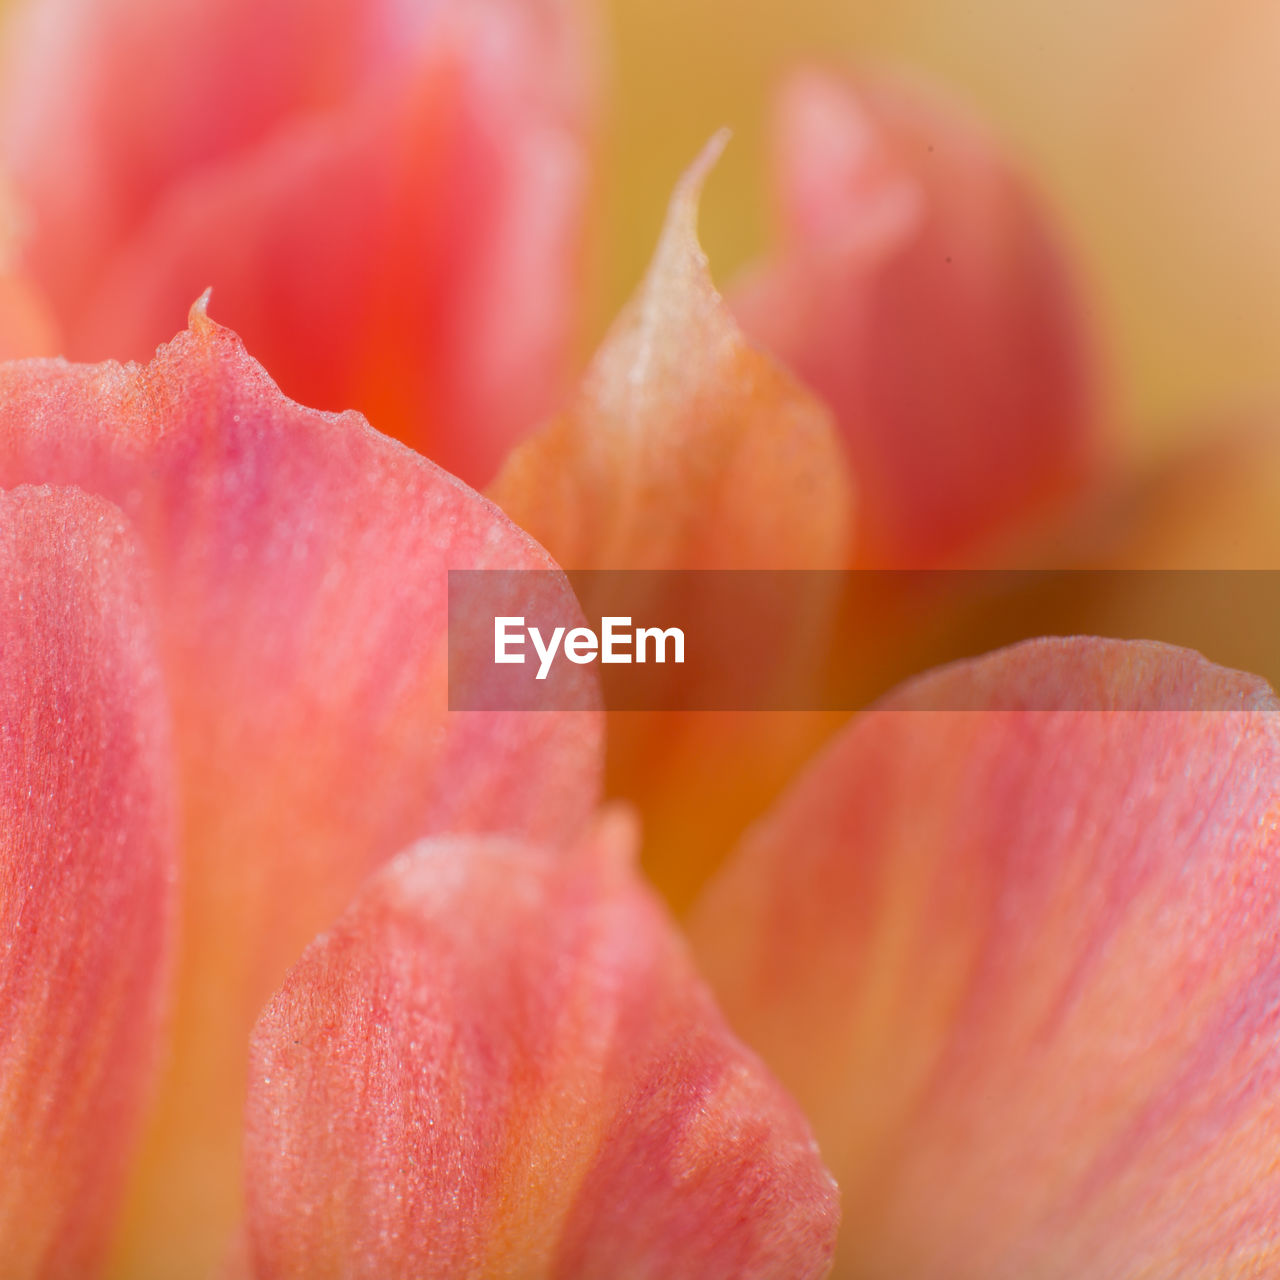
815 641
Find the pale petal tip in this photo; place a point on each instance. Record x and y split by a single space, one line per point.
682 214
198 317
706 160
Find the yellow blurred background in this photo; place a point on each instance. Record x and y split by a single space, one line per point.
1150 126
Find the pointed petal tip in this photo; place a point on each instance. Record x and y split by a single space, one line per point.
691 182
687 446
679 238
198 317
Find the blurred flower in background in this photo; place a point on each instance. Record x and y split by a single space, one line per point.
1000 302
26 323
389 199
1143 124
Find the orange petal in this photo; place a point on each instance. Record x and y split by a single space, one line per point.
301 562
919 291
391 211
87 861
502 1063
1210 505
26 326
1019 967
685 448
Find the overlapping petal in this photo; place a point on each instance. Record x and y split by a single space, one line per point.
389 203
501 1062
1018 965
686 448
919 291
87 874
300 561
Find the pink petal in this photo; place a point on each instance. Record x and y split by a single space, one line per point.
919 291
301 573
1019 967
389 206
502 1063
108 104
87 862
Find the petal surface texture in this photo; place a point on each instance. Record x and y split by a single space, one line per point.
918 290
390 206
501 1063
1018 965
301 564
87 874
